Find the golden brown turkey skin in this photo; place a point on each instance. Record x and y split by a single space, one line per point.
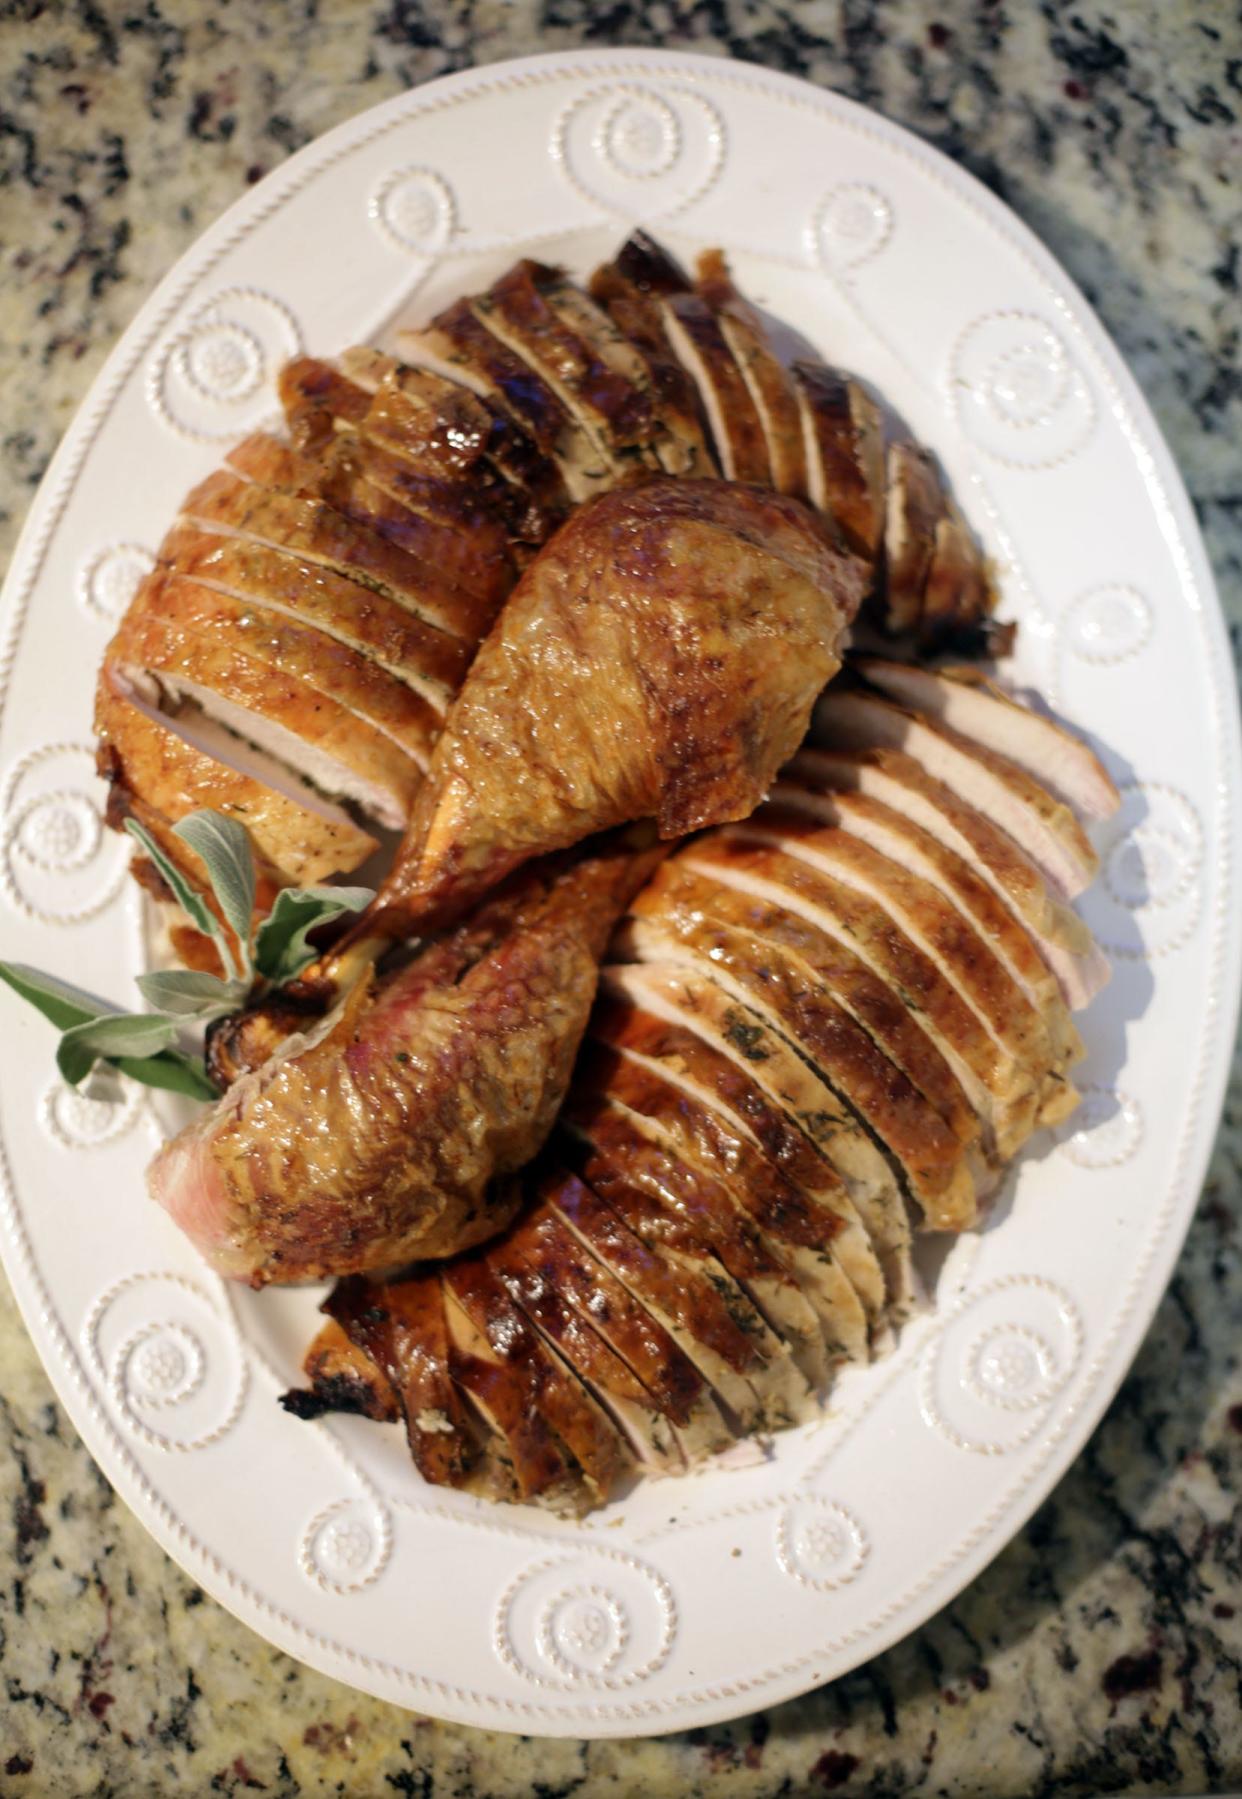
658 659
373 1141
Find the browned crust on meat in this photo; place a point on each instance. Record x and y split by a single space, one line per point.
402 1328
844 445
325 599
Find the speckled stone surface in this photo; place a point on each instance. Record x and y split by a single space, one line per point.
1103 1651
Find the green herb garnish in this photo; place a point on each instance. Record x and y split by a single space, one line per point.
143 1045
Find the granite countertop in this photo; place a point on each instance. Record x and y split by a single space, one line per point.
1103 1650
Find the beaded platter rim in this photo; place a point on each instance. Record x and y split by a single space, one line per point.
588 1635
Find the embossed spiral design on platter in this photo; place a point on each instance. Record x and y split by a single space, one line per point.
78 1120
819 1543
211 379
589 1618
1017 392
415 210
852 223
1107 625
996 1367
640 148
170 1360
57 864
1105 1130
1148 899
347 1545
109 579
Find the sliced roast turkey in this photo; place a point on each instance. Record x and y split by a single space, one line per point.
913 848
929 1156
630 289
977 708
843 452
226 503
768 382
851 880
459 346
694 1213
184 764
680 1298
761 1078
1045 828
263 579
689 1062
796 1230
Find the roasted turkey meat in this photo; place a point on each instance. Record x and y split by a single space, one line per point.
659 658
825 1030
383 1133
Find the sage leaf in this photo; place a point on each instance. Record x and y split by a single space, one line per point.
94 1030
121 1034
224 848
59 1001
172 1070
192 903
183 993
281 950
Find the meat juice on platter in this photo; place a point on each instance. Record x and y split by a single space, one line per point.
727 944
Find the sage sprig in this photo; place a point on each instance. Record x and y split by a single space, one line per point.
143 1044
87 1026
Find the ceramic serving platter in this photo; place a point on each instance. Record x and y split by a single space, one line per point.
685 1602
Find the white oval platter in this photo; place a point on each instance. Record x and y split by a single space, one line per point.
684 1603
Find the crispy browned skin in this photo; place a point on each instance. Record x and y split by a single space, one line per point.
799 1232
461 340
882 1009
686 1225
928 1149
343 1378
442 524
177 651
151 760
402 1329
316 400
492 1293
1010 869
450 524
374 623
958 592
924 914
354 680
440 429
690 1301
903 841
620 1022
593 1360
697 339
501 1365
543 1244
767 380
692 1211
915 505
845 454
628 288
798 896
659 658
377 1140
311 528
519 306
773 1201
485 1405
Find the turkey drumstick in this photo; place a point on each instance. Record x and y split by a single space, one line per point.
375 1138
658 659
